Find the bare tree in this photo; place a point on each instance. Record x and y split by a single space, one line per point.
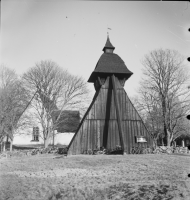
149 109
13 100
57 90
164 87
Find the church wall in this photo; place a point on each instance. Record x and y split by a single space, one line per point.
62 138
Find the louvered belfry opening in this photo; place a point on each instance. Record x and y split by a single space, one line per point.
111 119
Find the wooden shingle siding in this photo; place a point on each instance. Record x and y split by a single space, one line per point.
99 126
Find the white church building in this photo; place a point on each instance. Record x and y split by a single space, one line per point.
69 122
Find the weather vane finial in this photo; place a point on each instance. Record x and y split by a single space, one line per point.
108 31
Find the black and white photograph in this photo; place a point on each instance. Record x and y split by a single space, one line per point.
94 100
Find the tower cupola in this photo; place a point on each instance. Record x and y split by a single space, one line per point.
108 48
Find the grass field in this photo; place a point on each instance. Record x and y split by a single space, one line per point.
52 177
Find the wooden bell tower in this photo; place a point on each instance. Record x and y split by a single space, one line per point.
111 118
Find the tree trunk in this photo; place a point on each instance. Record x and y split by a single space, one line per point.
155 142
183 143
171 139
168 138
4 146
162 141
164 117
53 137
11 145
46 142
1 146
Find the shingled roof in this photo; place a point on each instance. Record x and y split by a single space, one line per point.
68 121
110 63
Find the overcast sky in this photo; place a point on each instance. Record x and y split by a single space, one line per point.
73 33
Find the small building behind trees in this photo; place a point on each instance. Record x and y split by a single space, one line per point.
111 119
183 140
66 126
